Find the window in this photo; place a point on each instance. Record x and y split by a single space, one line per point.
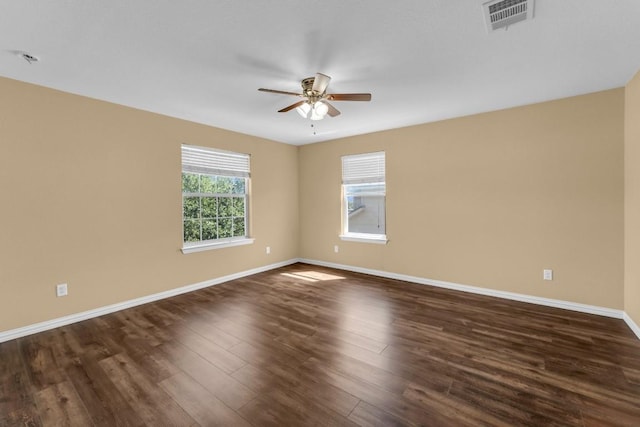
215 200
364 193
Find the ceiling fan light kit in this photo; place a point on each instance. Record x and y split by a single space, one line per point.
304 110
315 106
316 111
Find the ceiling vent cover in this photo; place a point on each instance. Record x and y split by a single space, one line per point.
502 13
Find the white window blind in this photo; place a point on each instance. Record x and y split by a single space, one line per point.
214 162
363 168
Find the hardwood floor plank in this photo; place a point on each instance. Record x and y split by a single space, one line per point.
393 403
367 415
223 386
352 338
548 382
633 377
17 402
269 352
152 404
442 405
214 354
41 366
143 354
204 407
59 404
306 345
285 407
135 322
64 346
213 334
96 346
104 402
264 381
587 370
322 393
326 348
380 370
514 406
596 415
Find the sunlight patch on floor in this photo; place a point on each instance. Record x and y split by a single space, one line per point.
313 276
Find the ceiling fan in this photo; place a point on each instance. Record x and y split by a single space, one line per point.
315 105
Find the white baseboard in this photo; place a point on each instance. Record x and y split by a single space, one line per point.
632 325
567 305
78 317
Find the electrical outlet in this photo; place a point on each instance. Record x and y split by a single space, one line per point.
268 250
61 290
547 274
336 249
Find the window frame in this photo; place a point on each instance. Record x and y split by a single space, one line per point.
372 173
207 167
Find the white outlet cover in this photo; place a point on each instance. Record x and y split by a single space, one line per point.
336 249
547 274
61 290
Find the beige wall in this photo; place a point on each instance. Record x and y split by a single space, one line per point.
632 200
91 196
490 200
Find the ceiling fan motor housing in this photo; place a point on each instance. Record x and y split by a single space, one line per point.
307 90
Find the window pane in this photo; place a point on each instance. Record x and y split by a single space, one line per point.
354 203
238 227
224 228
207 183
209 229
224 185
367 215
209 207
224 206
190 182
239 185
191 207
191 230
206 217
238 206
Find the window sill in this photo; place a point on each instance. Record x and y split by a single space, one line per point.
380 239
217 245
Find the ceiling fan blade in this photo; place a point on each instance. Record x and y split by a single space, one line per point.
349 97
320 83
333 111
282 92
292 106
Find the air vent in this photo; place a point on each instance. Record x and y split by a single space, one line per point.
502 13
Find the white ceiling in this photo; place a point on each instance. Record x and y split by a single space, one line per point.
423 60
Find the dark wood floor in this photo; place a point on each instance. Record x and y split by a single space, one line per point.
306 345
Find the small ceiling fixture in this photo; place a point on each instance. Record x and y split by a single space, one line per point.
315 106
28 57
